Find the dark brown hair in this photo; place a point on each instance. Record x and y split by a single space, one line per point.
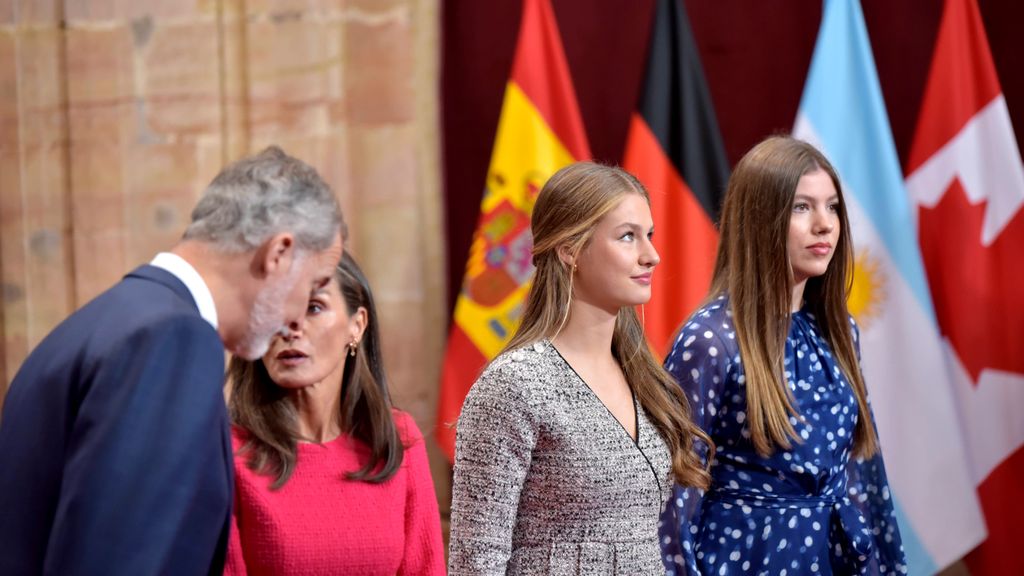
268 415
753 268
568 208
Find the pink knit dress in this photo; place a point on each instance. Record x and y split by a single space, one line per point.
321 523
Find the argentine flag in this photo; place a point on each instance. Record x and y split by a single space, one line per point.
843 114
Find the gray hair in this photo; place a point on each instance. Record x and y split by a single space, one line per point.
262 195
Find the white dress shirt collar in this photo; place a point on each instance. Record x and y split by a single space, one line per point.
184 271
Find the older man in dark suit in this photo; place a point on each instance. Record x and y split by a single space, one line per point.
115 455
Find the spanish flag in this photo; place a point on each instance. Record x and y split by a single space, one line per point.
675 149
540 131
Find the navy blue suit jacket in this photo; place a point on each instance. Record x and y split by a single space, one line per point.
115 453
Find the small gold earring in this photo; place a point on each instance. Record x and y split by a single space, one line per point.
353 346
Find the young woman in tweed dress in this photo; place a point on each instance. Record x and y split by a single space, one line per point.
570 440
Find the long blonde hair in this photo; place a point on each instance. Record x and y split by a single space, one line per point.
753 268
568 208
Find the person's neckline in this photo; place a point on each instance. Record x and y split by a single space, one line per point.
593 394
312 444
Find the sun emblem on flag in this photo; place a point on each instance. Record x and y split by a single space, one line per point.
869 289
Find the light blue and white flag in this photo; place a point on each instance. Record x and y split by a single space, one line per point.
842 113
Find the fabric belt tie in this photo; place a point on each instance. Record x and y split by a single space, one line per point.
851 542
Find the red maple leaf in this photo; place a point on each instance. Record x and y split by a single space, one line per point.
978 291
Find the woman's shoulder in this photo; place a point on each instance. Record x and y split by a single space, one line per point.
516 375
708 331
239 436
714 318
525 356
716 309
242 455
408 430
524 364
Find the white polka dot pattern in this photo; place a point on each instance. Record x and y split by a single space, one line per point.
811 509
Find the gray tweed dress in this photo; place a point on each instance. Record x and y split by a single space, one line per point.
546 479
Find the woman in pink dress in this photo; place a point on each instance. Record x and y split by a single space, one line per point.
329 477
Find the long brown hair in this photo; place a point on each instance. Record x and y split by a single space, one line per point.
568 208
753 268
268 415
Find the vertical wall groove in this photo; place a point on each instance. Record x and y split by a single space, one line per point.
67 235
233 81
4 377
222 82
19 75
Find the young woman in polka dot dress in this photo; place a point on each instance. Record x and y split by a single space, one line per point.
770 364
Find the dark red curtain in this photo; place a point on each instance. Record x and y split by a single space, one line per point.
755 57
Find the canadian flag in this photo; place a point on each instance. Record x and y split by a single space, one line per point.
966 176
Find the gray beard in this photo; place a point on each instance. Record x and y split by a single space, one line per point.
266 319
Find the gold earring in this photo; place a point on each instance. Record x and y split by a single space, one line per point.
353 346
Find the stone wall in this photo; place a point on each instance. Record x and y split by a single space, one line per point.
114 114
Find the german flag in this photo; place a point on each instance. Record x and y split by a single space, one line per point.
674 148
540 131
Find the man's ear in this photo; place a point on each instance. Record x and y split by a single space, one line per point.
275 256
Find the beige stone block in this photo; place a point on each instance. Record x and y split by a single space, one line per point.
33 214
50 288
210 160
181 87
98 214
99 66
401 332
166 9
159 197
334 163
10 186
12 253
109 125
97 187
290 67
95 11
377 6
28 12
389 246
155 223
337 111
15 341
39 75
37 292
379 75
282 9
384 164
40 132
162 169
31 108
8 91
44 183
99 261
233 139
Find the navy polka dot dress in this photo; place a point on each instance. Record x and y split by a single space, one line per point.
811 509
